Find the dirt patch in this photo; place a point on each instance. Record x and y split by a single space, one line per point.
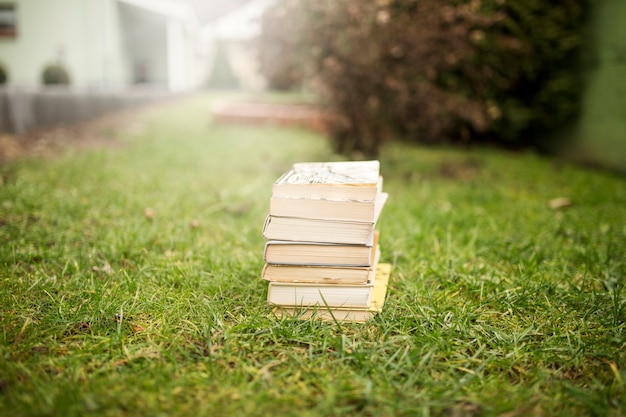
100 132
10 147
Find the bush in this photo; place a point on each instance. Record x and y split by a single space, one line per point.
536 57
279 61
55 74
435 70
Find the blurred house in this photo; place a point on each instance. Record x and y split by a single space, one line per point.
229 40
105 45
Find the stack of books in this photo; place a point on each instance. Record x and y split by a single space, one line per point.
322 255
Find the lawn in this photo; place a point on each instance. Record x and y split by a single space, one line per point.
129 283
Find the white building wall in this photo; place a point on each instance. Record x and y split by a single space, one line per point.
27 53
102 46
96 46
81 34
171 62
176 56
145 46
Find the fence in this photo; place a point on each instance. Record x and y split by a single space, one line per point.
23 111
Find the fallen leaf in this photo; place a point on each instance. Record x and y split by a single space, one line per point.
559 202
106 268
149 213
138 328
83 326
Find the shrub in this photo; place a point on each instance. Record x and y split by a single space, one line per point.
279 61
435 70
535 57
54 74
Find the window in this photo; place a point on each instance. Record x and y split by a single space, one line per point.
8 20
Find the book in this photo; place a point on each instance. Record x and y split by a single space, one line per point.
321 274
318 230
321 229
346 180
333 295
379 293
314 253
330 295
330 209
317 274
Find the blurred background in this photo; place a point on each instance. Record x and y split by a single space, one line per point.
549 76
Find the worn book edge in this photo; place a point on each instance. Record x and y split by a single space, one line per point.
322 274
371 249
329 209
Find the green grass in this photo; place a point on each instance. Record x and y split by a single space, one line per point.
498 305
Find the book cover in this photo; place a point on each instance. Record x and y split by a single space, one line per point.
379 293
343 180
